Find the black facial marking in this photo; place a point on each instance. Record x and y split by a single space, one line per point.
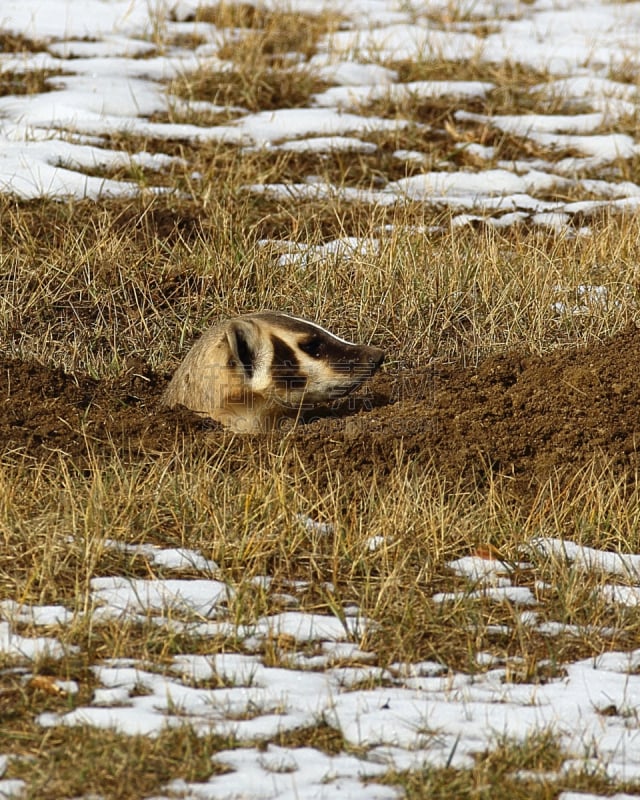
286 367
244 353
312 346
283 355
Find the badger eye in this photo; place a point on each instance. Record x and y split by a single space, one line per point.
312 347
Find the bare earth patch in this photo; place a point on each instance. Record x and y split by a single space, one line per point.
518 415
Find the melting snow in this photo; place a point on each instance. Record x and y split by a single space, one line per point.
281 773
137 595
28 647
354 96
111 78
404 717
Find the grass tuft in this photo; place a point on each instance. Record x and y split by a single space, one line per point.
85 760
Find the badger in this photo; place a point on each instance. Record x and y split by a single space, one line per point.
252 371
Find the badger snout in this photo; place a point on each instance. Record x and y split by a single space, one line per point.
365 362
354 370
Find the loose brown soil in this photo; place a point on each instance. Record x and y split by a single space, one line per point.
518 415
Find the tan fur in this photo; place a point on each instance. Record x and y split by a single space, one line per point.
249 372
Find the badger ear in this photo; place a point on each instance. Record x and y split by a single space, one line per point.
241 338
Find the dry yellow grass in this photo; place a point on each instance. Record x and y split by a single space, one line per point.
56 523
88 287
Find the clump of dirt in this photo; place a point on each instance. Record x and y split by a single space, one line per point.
519 415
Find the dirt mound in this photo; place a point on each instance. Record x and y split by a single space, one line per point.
44 410
522 416
515 414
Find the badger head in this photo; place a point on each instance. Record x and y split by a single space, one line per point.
253 369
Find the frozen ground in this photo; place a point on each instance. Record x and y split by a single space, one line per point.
410 715
112 79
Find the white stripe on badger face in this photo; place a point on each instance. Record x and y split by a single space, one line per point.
323 330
